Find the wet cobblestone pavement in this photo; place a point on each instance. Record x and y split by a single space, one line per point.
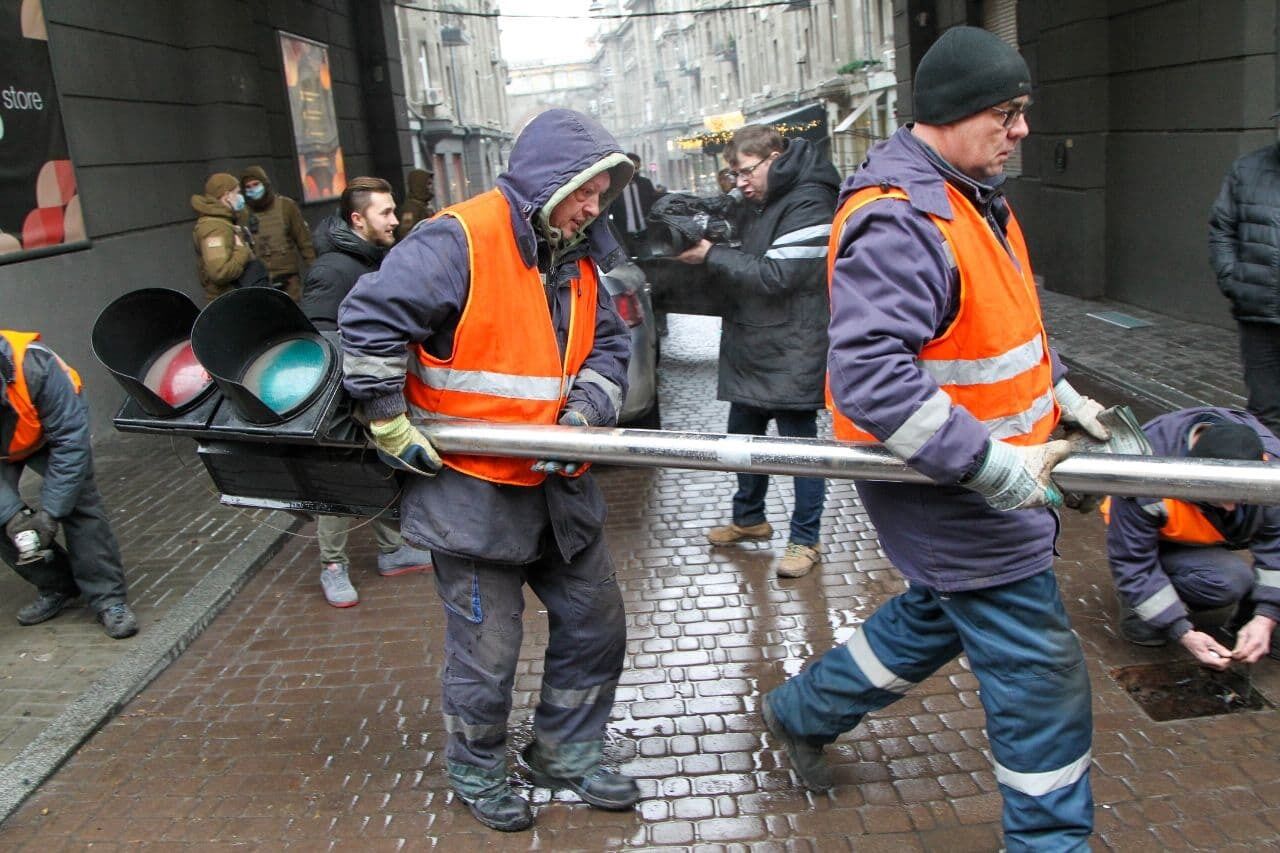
289 724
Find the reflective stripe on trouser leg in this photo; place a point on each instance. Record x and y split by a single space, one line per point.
585 651
483 605
902 643
1035 690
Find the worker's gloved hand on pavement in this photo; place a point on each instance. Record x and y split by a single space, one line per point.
402 445
1080 410
574 418
1017 477
1205 649
45 526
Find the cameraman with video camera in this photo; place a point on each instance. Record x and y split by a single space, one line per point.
773 345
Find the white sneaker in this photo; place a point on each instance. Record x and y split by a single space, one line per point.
337 587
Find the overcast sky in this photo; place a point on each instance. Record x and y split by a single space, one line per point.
564 39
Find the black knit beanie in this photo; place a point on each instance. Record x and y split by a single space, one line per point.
1225 440
967 70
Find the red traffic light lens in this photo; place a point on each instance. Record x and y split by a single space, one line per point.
286 375
176 377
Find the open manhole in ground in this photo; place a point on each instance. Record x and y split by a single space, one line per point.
1180 691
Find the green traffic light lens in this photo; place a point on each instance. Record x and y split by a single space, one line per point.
287 374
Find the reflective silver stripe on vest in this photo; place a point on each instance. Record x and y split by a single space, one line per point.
1266 577
791 253
923 424
1157 603
611 389
1039 784
876 672
376 367
986 371
510 385
802 234
566 697
1021 422
455 725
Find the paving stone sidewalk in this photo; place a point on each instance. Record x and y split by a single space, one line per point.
292 725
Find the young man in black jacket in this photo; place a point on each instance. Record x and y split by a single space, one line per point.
352 244
773 344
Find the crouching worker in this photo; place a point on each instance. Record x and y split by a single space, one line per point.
1172 560
44 425
494 311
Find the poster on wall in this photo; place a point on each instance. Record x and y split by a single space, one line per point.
39 204
315 122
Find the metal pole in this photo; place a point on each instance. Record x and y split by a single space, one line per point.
1090 473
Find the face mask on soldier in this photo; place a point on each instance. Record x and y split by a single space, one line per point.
256 191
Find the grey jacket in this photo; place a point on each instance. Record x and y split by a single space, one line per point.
1244 236
773 345
66 428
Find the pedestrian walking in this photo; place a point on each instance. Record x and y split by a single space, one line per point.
417 205
44 426
521 332
773 343
1244 252
1172 560
938 352
351 244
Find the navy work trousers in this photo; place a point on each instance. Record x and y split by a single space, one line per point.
90 565
1033 682
484 606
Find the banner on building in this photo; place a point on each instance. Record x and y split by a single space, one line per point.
39 204
315 121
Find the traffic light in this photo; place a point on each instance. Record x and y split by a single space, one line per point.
281 379
260 389
144 339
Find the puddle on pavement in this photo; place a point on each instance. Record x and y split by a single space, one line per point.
1181 691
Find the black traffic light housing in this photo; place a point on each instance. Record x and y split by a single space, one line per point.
144 339
274 425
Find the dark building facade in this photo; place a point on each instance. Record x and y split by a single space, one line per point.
155 96
1140 108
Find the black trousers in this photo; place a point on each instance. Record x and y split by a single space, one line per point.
1260 352
90 564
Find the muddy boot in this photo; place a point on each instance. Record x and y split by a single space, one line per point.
1136 631
577 767
490 798
807 759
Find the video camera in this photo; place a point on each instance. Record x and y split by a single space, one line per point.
679 220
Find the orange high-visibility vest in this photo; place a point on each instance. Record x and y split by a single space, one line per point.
1184 523
505 366
28 435
994 357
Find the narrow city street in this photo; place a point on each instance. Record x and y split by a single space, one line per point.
289 724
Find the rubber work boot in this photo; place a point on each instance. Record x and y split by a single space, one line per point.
337 587
806 759
1138 632
797 560
599 787
118 621
43 608
502 809
730 533
403 560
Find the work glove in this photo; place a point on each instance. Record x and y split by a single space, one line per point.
1017 477
1080 410
574 418
1126 438
45 526
402 445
